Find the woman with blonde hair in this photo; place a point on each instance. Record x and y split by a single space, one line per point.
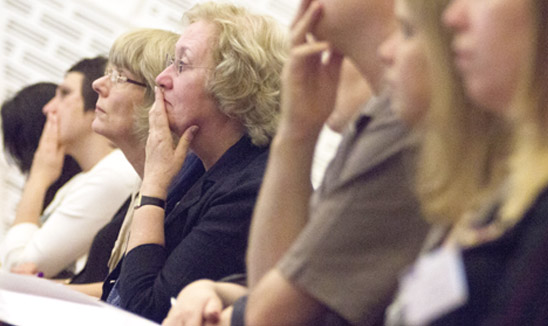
501 53
487 212
219 94
125 95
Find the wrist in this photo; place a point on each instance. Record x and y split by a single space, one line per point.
143 200
37 182
287 140
153 190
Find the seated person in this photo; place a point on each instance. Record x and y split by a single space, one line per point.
22 125
53 242
485 192
331 257
220 95
126 93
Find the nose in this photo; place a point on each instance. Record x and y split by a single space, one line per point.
100 87
50 107
165 78
454 15
387 49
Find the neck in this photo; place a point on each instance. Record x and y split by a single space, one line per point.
212 141
89 151
134 151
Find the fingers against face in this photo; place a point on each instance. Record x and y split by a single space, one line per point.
50 134
185 141
305 23
300 12
303 41
157 116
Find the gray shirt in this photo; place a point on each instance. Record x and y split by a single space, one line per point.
365 223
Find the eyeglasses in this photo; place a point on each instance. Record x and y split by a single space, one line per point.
180 64
116 78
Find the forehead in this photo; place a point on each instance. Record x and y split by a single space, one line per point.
403 11
73 80
195 39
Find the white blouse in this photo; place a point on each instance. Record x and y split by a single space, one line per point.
79 210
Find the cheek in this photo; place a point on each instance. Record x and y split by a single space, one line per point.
174 117
414 86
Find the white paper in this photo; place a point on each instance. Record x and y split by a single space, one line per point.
435 286
29 301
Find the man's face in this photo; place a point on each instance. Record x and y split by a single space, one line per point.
343 18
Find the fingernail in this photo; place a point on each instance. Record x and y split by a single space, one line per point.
194 129
173 301
40 274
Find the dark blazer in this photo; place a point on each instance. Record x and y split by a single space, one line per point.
206 234
96 269
508 277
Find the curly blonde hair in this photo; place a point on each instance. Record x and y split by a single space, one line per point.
249 52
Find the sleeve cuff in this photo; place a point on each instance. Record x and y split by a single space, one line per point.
16 240
238 312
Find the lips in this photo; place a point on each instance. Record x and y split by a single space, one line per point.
461 57
461 53
98 109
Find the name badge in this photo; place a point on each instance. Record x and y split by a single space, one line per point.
433 287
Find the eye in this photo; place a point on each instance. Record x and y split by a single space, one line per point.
181 65
63 92
407 30
121 79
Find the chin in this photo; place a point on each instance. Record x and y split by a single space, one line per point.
100 129
96 127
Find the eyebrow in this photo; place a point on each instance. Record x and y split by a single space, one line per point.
63 88
184 50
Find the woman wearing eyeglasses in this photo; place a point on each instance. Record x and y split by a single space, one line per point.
220 96
125 94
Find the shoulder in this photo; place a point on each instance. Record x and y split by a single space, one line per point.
249 169
113 169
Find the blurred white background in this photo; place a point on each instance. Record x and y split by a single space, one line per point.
42 38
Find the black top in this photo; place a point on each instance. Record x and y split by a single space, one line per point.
96 268
206 234
508 278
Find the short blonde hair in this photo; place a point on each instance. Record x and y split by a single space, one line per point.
142 52
249 52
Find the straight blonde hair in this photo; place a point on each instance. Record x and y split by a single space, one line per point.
529 163
462 159
142 52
